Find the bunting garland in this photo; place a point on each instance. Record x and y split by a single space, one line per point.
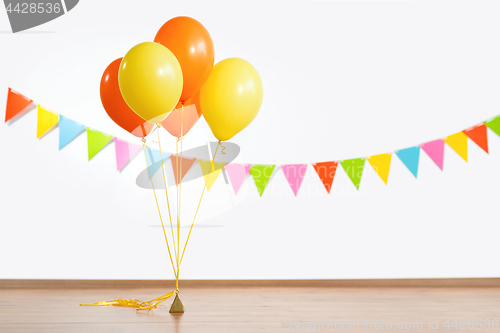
262 174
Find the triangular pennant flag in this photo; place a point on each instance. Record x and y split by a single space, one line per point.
96 141
209 174
326 172
153 157
435 150
294 173
354 169
237 174
494 124
46 121
185 165
133 149
68 131
381 164
15 104
410 158
261 174
122 150
458 142
479 135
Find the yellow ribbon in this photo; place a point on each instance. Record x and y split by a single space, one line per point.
135 303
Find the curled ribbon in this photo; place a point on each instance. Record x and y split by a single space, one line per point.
135 303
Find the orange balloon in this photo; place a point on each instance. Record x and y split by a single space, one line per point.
181 120
192 45
116 107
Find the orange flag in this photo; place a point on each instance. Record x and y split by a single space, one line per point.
326 172
478 135
15 104
184 164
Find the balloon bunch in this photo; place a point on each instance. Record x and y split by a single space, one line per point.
154 81
171 83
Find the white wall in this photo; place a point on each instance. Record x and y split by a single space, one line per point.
342 79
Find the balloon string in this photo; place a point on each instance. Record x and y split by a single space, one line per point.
177 177
199 203
166 191
180 197
157 205
154 303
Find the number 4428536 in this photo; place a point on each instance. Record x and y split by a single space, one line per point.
41 7
464 324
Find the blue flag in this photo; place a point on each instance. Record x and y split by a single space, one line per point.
410 157
68 131
154 160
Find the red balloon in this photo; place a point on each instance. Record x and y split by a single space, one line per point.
192 45
116 107
182 119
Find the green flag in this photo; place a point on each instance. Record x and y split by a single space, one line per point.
96 141
261 174
354 169
494 124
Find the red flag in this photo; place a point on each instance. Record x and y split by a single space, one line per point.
326 172
15 104
478 135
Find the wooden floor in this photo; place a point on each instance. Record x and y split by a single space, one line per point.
253 309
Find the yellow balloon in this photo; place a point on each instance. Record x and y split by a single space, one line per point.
150 81
231 97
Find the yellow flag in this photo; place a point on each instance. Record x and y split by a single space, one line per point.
458 142
381 164
209 174
46 121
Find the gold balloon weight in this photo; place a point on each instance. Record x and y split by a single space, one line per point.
177 306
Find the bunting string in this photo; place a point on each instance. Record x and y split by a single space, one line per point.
262 174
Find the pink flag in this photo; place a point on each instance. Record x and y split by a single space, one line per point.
435 150
122 153
133 149
237 174
294 173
